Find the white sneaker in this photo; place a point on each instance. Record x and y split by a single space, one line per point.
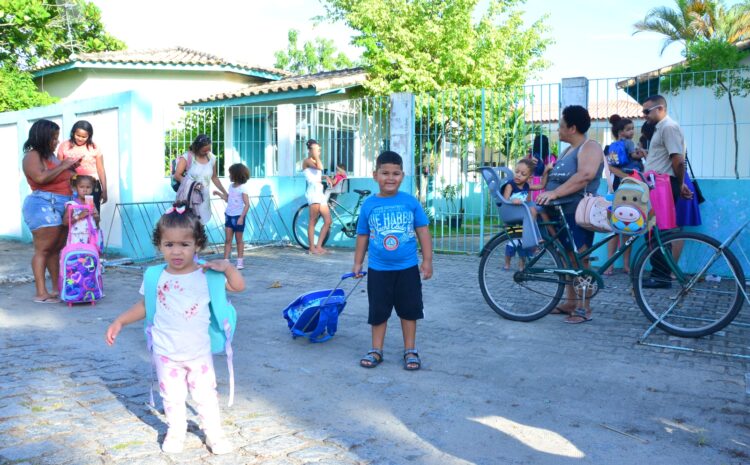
219 444
240 264
173 443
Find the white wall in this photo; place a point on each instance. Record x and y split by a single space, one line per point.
9 191
707 124
165 89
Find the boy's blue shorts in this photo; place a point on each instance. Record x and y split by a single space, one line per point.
230 222
512 247
43 209
401 289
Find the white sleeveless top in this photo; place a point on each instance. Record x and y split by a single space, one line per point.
314 192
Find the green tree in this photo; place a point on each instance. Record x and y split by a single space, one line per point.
713 64
314 57
33 32
430 45
695 20
18 91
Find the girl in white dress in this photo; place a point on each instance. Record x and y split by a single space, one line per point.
312 168
202 170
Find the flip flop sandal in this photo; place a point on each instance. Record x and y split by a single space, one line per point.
411 357
559 311
578 313
370 360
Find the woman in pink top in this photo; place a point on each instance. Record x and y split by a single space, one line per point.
82 147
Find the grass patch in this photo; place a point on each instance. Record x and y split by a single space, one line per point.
125 445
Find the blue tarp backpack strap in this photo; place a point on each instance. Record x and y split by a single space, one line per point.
150 282
223 323
326 315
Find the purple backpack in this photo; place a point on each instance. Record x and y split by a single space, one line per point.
80 267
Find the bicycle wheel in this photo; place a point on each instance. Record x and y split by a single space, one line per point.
701 295
299 227
515 294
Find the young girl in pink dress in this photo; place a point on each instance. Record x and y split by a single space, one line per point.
81 146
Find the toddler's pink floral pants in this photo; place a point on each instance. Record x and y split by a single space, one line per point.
176 378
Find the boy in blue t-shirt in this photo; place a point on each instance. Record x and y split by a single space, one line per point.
390 224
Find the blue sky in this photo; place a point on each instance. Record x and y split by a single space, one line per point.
592 38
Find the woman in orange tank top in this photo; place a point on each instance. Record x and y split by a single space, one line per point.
43 209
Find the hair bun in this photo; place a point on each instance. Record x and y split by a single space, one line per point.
614 118
311 142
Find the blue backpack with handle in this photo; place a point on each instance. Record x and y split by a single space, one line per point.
315 315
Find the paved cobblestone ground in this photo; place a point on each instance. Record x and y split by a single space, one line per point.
491 391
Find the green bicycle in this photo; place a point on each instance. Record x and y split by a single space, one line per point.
344 220
702 295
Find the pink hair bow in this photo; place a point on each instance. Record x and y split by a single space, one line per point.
180 210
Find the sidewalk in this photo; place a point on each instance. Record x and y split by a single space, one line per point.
490 392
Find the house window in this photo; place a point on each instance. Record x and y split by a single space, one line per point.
253 139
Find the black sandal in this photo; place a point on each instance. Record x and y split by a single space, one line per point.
373 358
411 357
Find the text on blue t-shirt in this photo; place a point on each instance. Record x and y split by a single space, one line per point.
390 222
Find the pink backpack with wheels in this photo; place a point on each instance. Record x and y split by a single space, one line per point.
80 266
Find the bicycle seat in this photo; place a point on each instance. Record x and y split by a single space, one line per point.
362 193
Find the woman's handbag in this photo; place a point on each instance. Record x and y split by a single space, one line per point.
662 200
591 213
696 187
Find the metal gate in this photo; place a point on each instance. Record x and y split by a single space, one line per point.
457 132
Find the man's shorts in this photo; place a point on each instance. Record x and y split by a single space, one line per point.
401 289
44 209
231 223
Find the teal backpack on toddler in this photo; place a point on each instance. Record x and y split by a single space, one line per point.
223 317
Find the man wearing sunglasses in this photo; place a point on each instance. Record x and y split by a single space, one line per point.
666 154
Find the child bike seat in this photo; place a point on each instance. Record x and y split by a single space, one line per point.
511 213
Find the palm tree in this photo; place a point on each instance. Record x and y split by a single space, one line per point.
705 27
696 20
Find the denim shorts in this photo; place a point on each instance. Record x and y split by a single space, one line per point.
230 222
581 237
44 209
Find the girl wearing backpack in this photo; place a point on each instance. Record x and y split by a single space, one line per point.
82 214
81 146
179 335
202 169
622 131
